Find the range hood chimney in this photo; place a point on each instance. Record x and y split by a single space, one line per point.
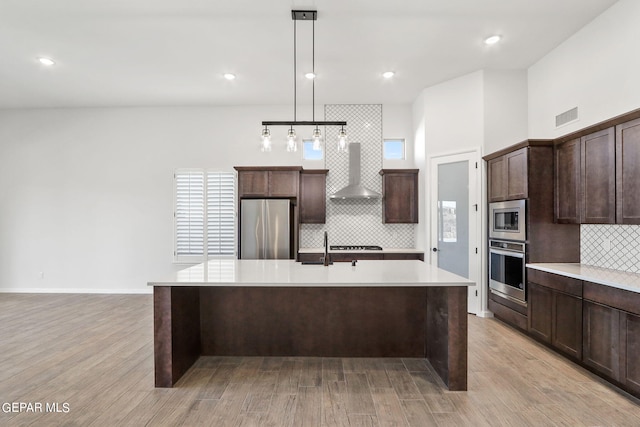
354 190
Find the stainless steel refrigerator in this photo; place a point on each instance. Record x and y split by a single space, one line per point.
265 229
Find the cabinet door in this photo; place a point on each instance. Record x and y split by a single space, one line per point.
313 198
283 183
567 324
601 338
400 197
597 178
628 172
253 183
540 312
497 179
516 165
567 182
630 349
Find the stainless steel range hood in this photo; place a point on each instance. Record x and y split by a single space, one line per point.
354 190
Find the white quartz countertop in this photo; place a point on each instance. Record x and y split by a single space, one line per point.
603 276
383 251
231 272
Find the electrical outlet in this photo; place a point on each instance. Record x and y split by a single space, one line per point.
41 275
606 244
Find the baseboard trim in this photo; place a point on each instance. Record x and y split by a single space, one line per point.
75 291
485 313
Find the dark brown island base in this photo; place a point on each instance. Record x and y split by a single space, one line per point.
282 308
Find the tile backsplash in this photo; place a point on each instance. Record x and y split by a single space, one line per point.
356 222
611 246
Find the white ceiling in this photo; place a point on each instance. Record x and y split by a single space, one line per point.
174 52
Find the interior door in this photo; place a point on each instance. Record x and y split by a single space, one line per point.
455 219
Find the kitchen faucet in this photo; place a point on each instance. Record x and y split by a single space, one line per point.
327 260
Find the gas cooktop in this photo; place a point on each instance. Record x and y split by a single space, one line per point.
355 248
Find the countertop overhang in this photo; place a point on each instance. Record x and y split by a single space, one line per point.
288 273
603 276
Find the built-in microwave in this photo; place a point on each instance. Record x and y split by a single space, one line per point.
507 220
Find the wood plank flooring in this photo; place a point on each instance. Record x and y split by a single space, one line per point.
95 353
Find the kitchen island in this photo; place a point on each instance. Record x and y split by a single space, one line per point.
283 308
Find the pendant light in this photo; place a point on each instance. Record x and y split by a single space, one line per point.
342 141
291 141
266 139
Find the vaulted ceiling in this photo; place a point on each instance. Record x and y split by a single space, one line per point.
169 52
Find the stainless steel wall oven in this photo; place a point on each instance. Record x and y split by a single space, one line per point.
507 270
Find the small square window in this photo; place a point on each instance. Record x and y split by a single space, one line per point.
393 149
308 153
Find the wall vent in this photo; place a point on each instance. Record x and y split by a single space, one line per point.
567 117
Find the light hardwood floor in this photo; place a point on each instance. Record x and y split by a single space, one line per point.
95 353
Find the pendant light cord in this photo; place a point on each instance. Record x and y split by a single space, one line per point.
295 95
313 70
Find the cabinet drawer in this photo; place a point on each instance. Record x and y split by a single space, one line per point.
613 297
347 257
310 257
560 283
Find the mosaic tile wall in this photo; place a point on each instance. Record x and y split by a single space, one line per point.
356 222
624 252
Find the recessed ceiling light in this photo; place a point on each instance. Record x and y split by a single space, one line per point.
229 76
492 40
46 61
388 74
310 76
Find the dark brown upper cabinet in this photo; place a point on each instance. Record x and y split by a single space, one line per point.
585 179
508 176
628 172
399 196
597 173
278 181
313 196
597 177
567 182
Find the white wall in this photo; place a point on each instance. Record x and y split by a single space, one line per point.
397 123
595 70
447 118
505 108
87 194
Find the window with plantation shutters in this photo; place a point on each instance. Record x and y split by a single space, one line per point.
204 214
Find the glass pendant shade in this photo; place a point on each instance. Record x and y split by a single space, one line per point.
292 143
317 139
342 141
266 140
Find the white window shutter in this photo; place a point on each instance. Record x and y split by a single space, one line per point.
221 213
204 215
189 214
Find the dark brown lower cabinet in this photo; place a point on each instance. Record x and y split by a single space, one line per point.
630 351
612 344
601 340
596 325
567 325
556 318
539 316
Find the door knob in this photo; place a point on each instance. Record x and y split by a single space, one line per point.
435 249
